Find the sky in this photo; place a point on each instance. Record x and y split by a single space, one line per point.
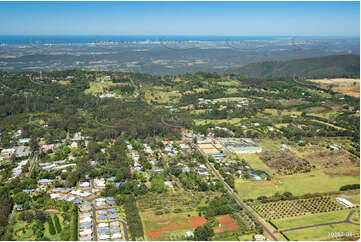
181 18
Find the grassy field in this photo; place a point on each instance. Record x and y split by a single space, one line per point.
346 86
229 83
98 87
255 162
299 184
23 231
230 236
246 237
235 121
161 94
322 232
176 208
230 99
312 219
269 144
351 195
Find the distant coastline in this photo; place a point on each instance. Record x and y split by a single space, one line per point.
84 39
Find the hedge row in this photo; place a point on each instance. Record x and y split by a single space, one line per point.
133 218
51 226
74 224
57 224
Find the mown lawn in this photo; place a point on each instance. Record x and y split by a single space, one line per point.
322 232
298 184
246 237
22 230
269 144
311 219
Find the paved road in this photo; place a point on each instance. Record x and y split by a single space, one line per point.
94 216
125 228
347 220
11 220
239 202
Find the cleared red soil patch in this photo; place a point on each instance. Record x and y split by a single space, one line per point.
195 222
354 90
155 233
226 223
353 173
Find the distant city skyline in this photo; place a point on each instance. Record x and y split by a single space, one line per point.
181 18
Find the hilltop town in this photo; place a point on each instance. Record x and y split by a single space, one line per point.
130 156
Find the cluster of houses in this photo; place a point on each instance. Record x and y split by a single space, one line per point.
233 168
102 202
17 170
20 150
243 103
171 147
137 167
108 225
99 183
56 165
74 195
68 195
135 157
85 222
202 101
109 231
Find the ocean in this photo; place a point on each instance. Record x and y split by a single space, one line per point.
83 39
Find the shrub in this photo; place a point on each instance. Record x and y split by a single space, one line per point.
51 226
350 187
74 224
57 224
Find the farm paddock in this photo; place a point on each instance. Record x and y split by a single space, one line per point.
293 208
316 181
311 219
226 223
285 162
168 216
349 231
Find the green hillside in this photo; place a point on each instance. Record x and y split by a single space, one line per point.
337 64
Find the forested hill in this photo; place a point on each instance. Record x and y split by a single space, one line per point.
327 65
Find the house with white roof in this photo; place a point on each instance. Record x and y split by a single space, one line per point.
116 236
104 237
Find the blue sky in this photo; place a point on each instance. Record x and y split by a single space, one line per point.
181 18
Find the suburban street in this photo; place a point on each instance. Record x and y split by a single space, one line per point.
95 223
33 161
